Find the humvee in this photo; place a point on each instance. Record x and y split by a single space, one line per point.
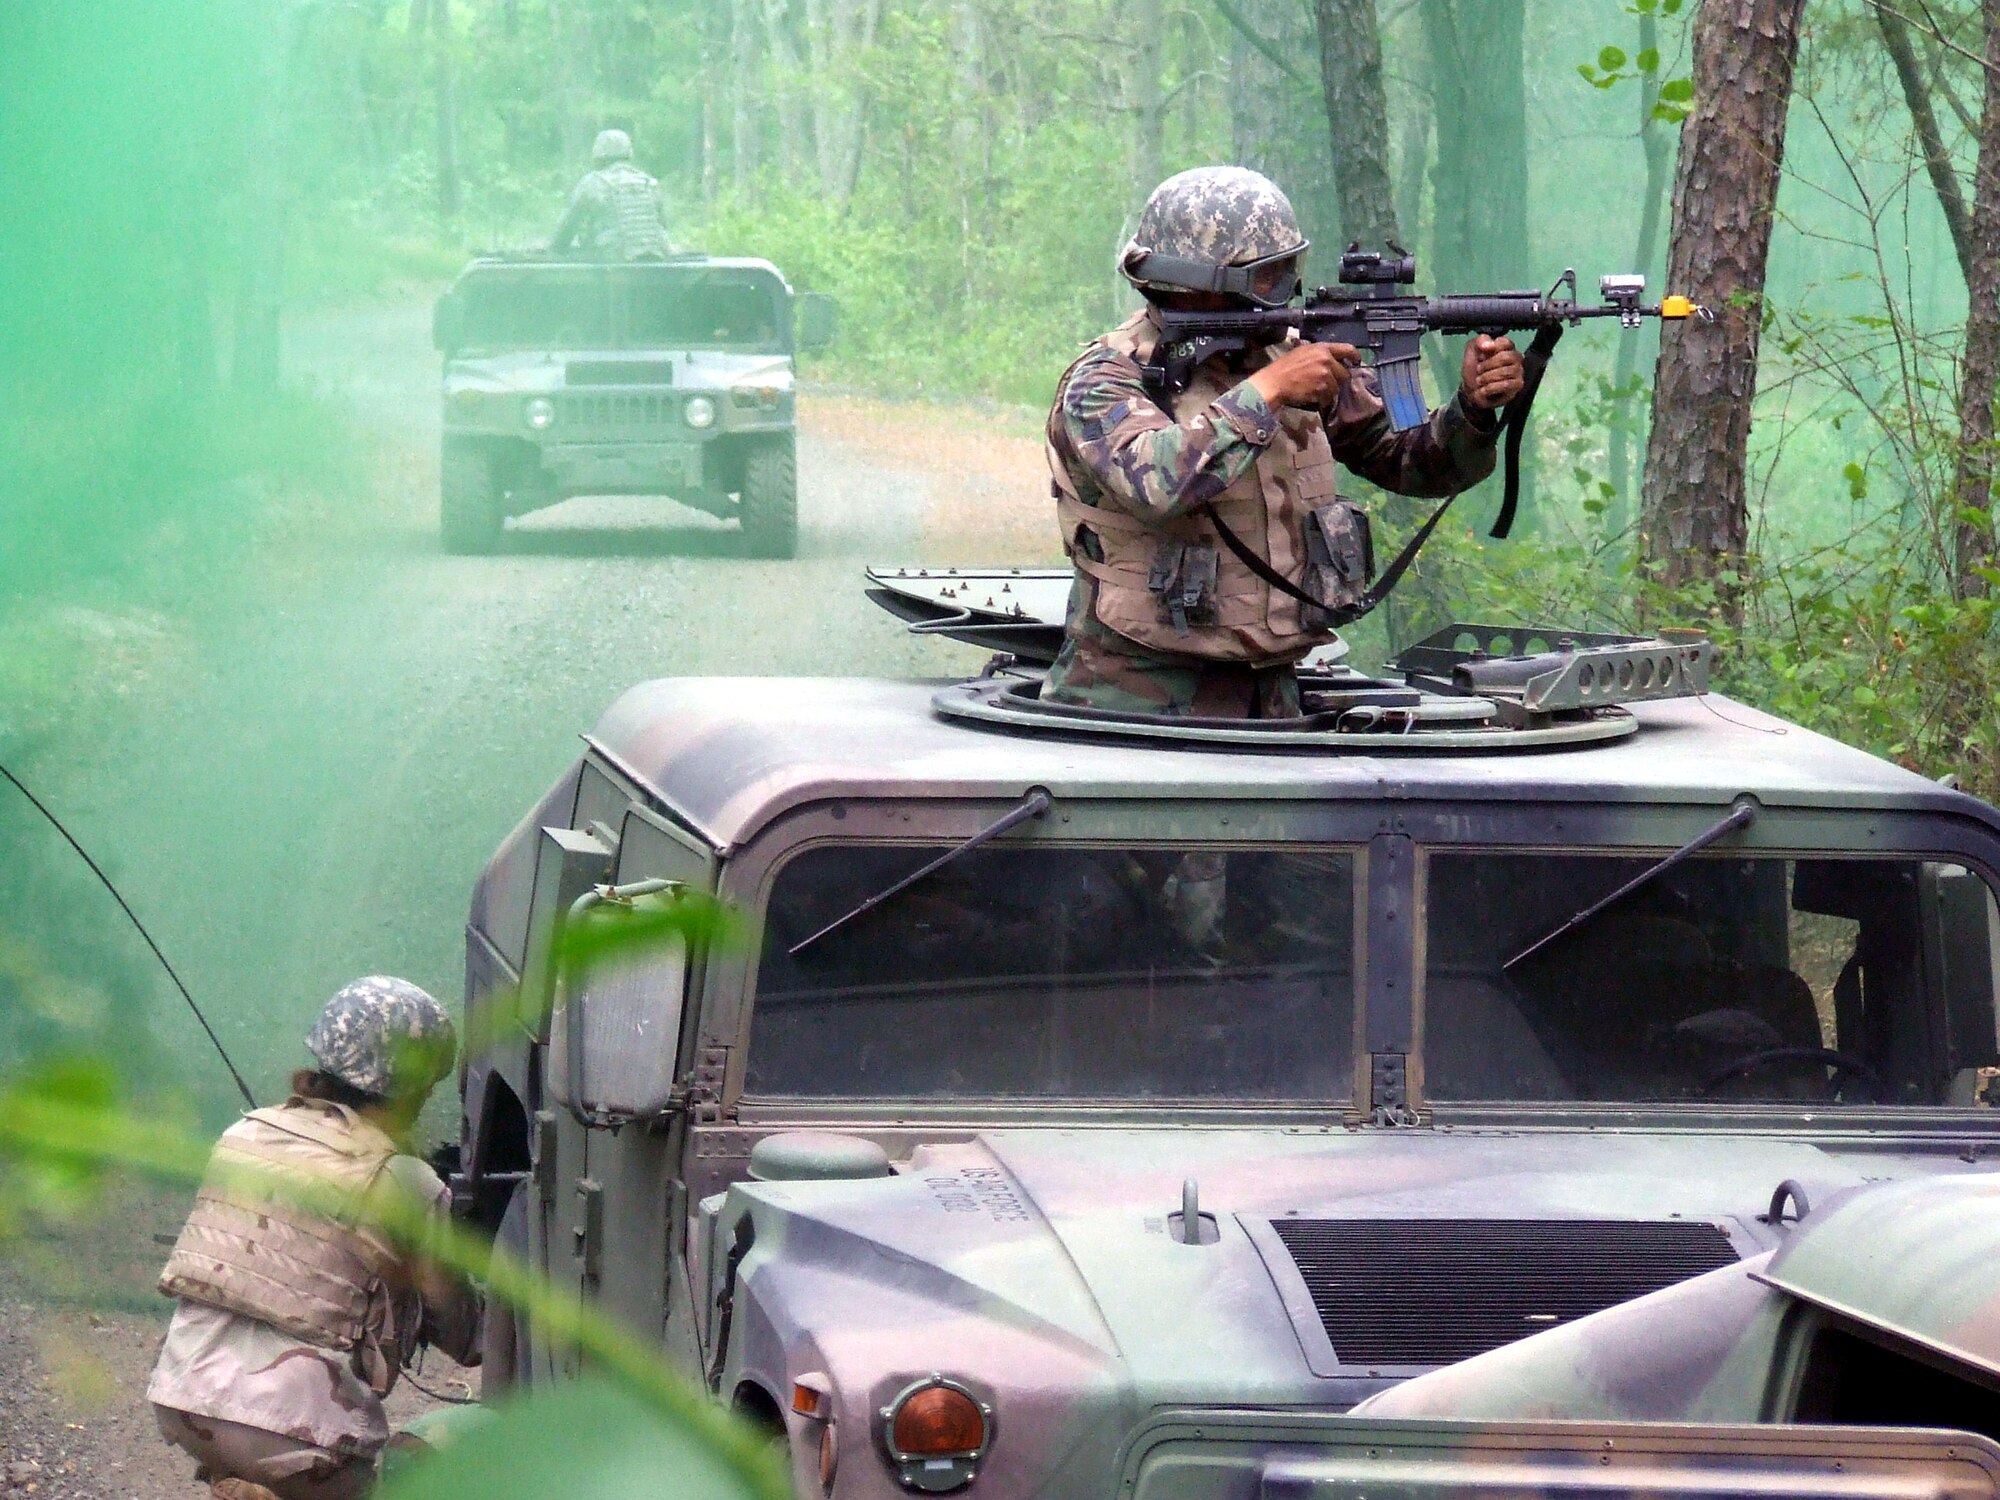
565 378
1106 1105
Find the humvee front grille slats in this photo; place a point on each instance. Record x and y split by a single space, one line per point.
616 411
1404 1292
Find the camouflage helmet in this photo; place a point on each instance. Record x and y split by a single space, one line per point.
383 1036
611 145
1217 229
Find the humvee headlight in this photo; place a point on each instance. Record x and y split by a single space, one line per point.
936 1432
540 413
699 412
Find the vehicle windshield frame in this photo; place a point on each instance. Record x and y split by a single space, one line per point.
780 343
1591 821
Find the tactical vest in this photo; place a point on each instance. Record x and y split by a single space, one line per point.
252 1247
1171 586
632 202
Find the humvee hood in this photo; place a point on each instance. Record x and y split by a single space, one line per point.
1067 1239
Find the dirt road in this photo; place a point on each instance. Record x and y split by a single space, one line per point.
306 765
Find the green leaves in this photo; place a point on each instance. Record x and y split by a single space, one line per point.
1857 481
1611 59
587 1441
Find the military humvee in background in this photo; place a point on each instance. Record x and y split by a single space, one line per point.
1105 1106
565 378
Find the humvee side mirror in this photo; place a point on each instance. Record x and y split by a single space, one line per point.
447 323
817 316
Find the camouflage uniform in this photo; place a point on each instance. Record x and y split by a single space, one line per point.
614 211
283 1406
1161 618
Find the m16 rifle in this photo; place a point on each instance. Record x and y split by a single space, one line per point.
1387 325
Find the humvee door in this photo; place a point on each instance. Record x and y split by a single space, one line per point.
1274 1457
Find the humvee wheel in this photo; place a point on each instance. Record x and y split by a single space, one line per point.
770 497
505 1361
471 500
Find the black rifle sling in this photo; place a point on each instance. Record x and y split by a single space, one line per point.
1534 361
1376 591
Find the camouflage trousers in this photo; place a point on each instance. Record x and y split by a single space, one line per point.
1091 673
290 1469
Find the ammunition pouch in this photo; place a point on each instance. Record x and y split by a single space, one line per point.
1183 579
1340 564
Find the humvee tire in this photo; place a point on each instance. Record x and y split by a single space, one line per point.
505 1358
770 496
470 499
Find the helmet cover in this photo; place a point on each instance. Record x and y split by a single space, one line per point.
1209 229
383 1036
611 145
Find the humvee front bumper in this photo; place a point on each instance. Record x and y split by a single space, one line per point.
624 468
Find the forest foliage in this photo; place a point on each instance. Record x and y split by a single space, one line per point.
959 173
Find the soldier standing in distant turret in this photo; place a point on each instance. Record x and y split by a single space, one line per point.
614 211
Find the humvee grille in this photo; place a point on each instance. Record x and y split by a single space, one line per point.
1433 1291
619 411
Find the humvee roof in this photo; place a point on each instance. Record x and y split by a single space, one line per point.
730 754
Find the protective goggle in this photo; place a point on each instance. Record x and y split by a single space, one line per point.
1270 281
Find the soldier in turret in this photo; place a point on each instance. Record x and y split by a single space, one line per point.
297 1308
1166 616
614 211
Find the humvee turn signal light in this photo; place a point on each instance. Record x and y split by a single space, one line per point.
936 1432
938 1420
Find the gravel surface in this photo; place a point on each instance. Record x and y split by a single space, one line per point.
312 754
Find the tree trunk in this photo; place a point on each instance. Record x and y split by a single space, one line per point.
1981 370
837 33
743 120
1145 96
787 75
569 41
256 359
1357 118
1480 185
1695 516
1937 156
445 63
1656 145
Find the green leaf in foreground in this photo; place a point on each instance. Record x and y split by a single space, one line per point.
587 1441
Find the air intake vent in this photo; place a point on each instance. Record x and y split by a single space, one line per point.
1431 1291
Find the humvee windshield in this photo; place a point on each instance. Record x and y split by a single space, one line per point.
622 307
1143 973
1830 981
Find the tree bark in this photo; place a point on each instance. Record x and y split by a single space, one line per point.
1981 370
1480 184
1656 145
1357 118
256 357
1937 157
445 64
743 119
1145 96
1695 517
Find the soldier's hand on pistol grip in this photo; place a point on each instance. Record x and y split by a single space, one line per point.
1306 375
1491 375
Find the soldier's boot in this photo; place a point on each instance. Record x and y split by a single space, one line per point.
239 1489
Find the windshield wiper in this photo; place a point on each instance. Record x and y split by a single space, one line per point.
1033 805
1742 815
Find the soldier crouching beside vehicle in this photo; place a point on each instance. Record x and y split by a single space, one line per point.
296 1312
1165 617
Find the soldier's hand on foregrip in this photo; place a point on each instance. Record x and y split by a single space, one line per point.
1492 374
1306 375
